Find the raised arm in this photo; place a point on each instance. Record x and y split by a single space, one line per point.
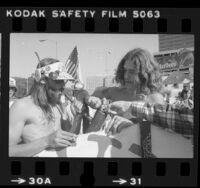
101 93
180 121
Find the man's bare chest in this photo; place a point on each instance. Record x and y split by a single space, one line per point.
45 120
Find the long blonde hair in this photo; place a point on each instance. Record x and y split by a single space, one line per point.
38 91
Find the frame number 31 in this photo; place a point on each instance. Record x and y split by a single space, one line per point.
135 181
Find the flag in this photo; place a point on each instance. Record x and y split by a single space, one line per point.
72 65
38 57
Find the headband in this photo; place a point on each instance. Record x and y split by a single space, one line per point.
55 71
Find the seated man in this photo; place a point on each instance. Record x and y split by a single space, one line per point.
185 102
35 120
45 119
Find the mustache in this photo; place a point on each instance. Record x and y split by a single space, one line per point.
132 81
53 96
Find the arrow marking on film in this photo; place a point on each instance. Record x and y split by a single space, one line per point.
19 181
120 181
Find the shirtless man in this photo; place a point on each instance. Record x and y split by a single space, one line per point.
35 120
139 78
140 84
138 75
140 96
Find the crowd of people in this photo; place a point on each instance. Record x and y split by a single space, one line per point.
56 111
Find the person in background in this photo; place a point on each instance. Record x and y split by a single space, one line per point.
186 87
192 94
12 91
174 94
184 102
166 93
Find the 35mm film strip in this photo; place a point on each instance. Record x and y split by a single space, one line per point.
99 96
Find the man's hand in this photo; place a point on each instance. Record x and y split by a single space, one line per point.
121 107
94 102
61 139
117 124
77 105
63 105
155 98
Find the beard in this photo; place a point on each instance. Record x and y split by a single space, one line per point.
132 85
54 97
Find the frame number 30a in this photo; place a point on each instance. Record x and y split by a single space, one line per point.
39 181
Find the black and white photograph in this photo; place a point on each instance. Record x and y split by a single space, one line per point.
101 95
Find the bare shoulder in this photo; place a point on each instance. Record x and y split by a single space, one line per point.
113 90
105 92
22 104
100 92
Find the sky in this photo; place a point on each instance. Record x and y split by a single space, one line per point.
96 52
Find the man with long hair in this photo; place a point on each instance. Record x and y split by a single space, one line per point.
140 95
139 78
138 73
35 121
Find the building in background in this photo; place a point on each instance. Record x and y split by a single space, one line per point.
174 42
109 81
92 82
176 58
175 54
